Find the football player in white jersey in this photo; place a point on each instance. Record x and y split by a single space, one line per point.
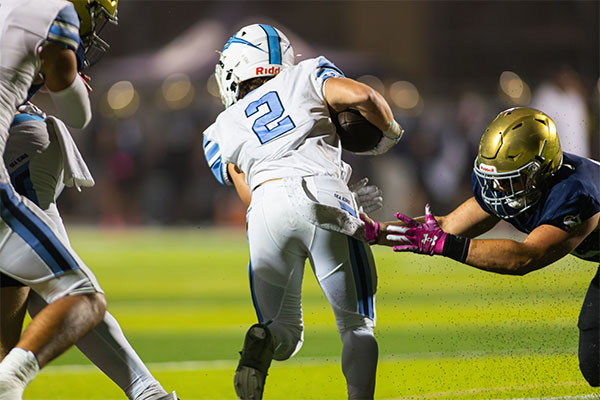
41 157
38 42
276 142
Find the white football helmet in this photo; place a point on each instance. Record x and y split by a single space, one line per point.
254 51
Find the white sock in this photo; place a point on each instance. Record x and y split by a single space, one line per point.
152 392
18 368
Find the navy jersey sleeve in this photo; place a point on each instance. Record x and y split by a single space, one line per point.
215 161
568 204
65 29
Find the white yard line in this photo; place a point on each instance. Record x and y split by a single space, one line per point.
313 361
307 361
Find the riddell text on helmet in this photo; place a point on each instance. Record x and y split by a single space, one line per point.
267 71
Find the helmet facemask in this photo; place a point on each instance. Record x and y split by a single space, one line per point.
509 194
94 15
229 84
518 154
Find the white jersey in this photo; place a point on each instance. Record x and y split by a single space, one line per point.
24 26
282 129
33 250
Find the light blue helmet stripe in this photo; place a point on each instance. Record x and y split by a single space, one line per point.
274 47
235 39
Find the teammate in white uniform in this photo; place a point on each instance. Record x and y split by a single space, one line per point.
36 162
275 140
38 41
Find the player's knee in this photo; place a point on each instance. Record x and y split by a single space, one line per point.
288 340
355 324
359 338
97 305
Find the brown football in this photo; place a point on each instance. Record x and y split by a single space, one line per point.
355 132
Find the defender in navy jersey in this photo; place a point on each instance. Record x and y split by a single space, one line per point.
276 143
521 176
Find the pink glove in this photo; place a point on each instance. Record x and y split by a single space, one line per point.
372 229
427 238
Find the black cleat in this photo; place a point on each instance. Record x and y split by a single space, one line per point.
256 356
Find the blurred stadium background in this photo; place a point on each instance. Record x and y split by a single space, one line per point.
447 67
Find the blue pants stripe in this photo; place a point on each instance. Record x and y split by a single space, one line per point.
362 277
251 276
35 232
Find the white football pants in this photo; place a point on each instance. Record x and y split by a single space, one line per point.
34 249
35 162
280 241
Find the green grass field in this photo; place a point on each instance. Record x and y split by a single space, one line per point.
445 331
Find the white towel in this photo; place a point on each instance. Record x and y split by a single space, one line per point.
76 172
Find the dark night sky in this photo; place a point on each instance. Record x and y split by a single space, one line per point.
436 43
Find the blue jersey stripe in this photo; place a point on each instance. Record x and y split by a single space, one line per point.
35 232
217 170
24 117
325 63
273 41
68 15
211 149
65 28
212 153
65 35
326 73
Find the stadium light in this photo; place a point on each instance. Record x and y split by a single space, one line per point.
122 99
374 82
406 97
212 87
513 88
177 91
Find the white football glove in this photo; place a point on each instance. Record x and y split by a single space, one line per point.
390 137
368 197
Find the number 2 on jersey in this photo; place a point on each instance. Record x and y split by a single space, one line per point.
275 111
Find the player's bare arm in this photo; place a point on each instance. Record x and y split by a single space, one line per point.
59 66
543 246
239 181
68 91
468 220
343 93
